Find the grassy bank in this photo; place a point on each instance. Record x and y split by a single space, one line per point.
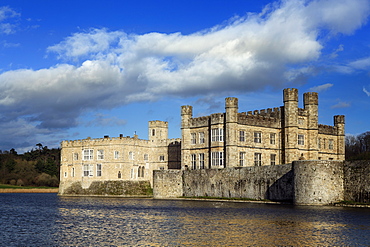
7 188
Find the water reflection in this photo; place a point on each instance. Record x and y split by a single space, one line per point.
47 220
146 222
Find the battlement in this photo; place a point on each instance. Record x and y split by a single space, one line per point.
339 119
102 141
310 98
327 129
186 110
158 123
267 118
200 121
217 118
231 102
290 94
269 112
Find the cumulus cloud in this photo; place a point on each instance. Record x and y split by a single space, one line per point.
105 69
321 88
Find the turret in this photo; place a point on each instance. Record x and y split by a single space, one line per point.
158 131
339 125
186 116
231 127
310 102
290 125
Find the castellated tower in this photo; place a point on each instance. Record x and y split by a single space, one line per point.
290 125
158 132
339 126
231 130
310 102
186 116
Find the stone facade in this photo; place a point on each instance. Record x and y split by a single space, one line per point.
231 139
271 136
121 158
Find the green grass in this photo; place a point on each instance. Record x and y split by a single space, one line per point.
8 186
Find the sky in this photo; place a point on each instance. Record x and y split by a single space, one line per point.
76 69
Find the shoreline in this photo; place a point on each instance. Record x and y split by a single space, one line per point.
29 190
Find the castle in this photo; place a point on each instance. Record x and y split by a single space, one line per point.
262 137
222 140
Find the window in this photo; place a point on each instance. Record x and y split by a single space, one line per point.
87 170
242 159
75 156
140 172
193 138
257 159
73 172
161 158
131 155
100 154
257 137
193 161
300 139
65 174
319 143
273 159
146 157
153 132
201 161
88 154
119 174
133 173
217 135
331 144
201 138
98 170
324 144
116 154
242 135
272 138
217 159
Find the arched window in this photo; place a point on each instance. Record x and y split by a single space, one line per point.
119 174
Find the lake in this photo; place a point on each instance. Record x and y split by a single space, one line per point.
49 220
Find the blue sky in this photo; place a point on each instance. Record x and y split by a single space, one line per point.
76 69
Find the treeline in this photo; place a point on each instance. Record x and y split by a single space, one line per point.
358 147
39 167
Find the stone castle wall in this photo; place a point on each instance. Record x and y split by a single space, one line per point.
357 181
312 182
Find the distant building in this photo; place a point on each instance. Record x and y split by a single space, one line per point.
262 137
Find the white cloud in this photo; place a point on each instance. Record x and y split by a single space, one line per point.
321 88
362 64
106 69
6 16
341 104
365 91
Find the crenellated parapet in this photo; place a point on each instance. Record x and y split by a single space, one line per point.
310 98
200 121
217 118
327 129
102 141
265 120
338 119
187 110
290 94
231 102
